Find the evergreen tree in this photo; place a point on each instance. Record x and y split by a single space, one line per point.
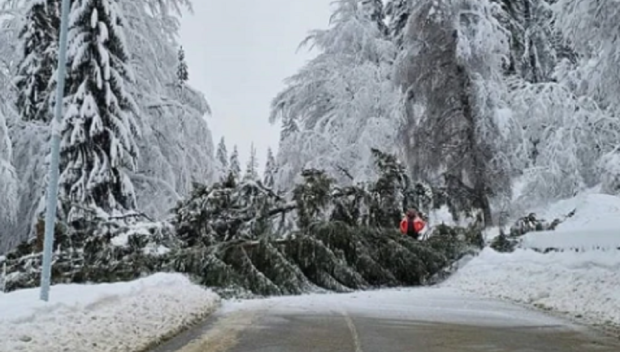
99 125
221 157
234 168
39 37
453 116
182 72
251 169
270 170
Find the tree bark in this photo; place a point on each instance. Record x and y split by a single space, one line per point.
478 164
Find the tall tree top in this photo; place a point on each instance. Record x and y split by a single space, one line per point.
251 170
182 71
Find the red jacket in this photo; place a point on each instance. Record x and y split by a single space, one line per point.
418 225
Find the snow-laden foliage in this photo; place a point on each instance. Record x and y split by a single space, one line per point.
251 168
228 210
567 130
176 146
233 237
609 169
270 169
11 181
452 70
526 224
234 165
108 249
560 139
345 237
8 178
535 44
39 38
591 28
374 11
182 72
398 12
221 159
341 103
99 124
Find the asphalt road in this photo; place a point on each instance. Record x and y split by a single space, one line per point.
423 320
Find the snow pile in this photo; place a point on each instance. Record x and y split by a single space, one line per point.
582 282
129 316
595 225
592 211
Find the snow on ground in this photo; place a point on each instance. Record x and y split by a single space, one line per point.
596 224
580 284
583 284
118 317
592 211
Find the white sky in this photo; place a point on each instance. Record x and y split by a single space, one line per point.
238 53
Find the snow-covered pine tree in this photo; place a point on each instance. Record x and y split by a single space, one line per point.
99 129
182 72
453 124
270 169
340 104
39 40
234 167
251 169
221 157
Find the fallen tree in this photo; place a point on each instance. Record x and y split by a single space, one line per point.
242 238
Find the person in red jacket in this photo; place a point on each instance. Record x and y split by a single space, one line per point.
412 224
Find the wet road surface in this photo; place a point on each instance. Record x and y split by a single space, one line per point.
416 320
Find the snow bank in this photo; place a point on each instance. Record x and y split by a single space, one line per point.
116 317
592 211
595 225
583 284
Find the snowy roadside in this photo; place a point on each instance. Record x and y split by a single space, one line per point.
583 286
581 282
131 316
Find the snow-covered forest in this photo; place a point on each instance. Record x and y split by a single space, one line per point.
484 107
482 93
134 136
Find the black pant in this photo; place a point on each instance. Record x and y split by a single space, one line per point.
414 235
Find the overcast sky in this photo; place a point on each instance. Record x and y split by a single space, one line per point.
238 53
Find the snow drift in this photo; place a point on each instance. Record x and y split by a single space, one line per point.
128 316
580 279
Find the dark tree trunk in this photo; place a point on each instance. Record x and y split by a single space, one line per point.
478 165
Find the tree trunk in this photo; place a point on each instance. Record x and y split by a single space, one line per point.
478 164
527 12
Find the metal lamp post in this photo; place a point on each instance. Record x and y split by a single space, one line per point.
52 187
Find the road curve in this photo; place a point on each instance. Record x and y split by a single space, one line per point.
424 320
